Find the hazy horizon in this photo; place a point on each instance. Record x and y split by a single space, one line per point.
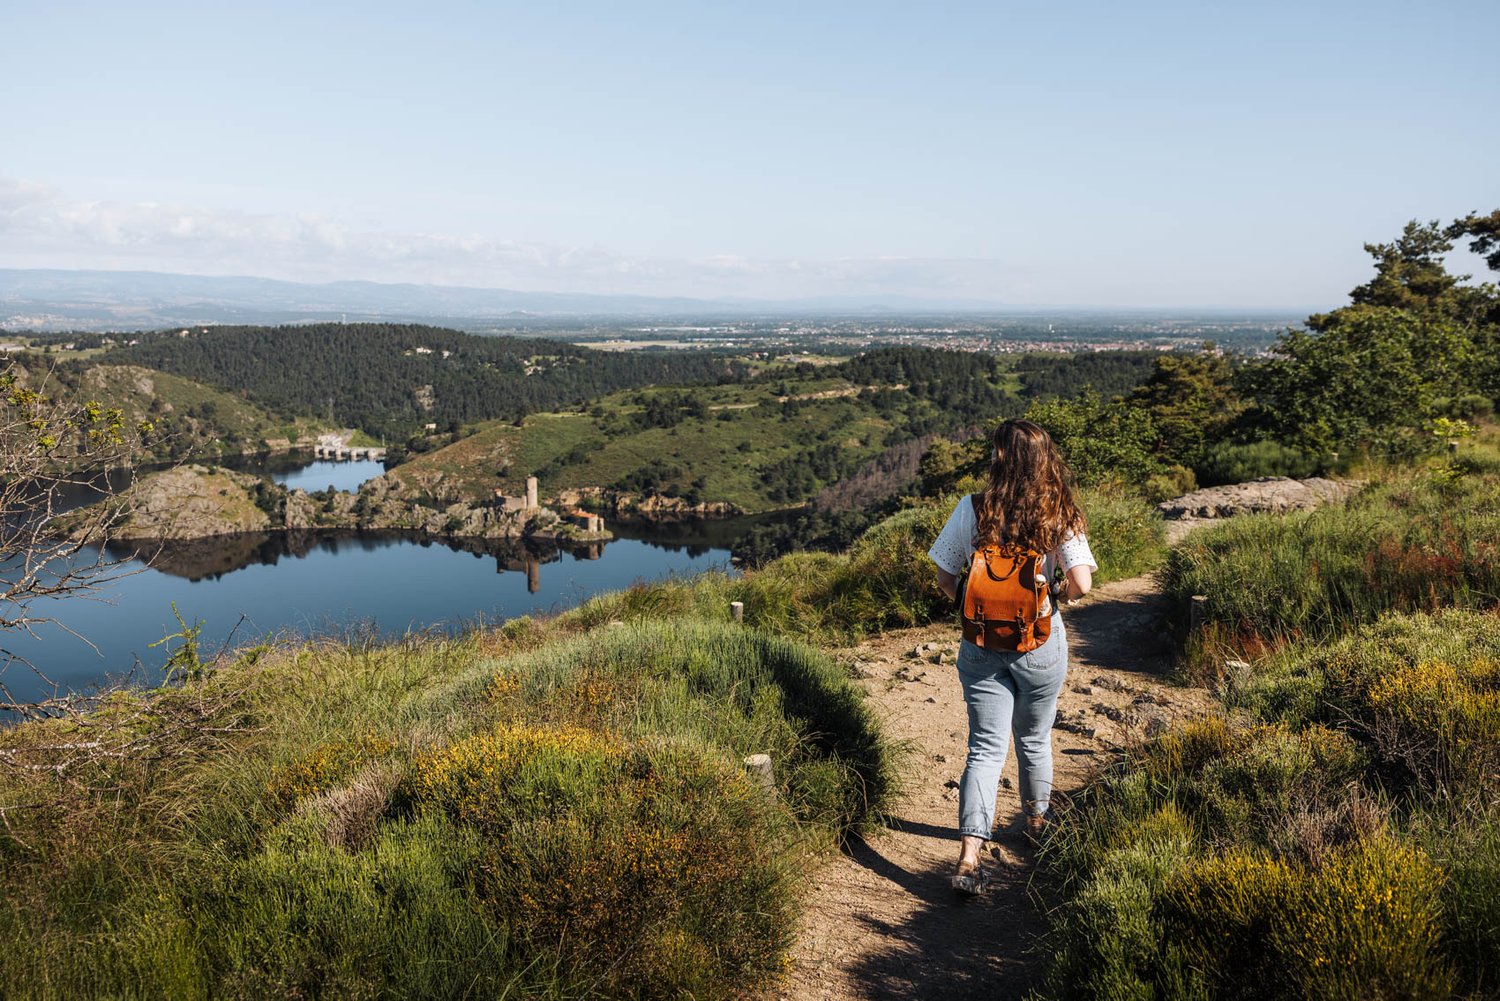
1165 156
895 302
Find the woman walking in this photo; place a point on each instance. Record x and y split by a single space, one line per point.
1017 550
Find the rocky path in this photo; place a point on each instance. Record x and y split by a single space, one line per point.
882 921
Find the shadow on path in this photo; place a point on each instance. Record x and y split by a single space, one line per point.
952 947
1124 625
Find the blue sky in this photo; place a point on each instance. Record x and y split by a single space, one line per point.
1155 154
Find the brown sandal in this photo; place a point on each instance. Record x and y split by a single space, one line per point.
970 879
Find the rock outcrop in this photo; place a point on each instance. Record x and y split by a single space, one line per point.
199 502
190 502
1276 494
655 507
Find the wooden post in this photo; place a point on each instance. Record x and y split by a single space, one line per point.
758 770
1197 611
737 611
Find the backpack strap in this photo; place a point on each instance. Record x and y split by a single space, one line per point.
963 578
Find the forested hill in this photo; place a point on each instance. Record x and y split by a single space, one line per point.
1108 373
389 379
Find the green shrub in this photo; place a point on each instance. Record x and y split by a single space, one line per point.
1424 690
1173 482
324 766
495 815
1365 923
1228 462
644 869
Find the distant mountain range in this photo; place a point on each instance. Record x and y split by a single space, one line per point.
118 300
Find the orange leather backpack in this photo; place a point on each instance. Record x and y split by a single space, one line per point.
1004 602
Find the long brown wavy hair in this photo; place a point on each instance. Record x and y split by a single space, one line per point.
1029 501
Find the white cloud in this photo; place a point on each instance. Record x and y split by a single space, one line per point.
42 227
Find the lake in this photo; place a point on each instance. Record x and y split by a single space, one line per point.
326 585
248 587
297 473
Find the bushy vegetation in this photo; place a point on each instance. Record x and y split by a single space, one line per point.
1424 540
525 812
1339 833
1335 829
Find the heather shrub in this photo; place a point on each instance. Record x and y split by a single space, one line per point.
1223 847
324 767
1364 923
1229 462
1423 690
644 869
524 812
1338 834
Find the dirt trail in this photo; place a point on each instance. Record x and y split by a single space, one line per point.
882 922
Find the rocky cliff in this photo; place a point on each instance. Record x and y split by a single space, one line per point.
1276 494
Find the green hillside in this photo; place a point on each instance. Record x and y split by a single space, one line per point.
191 419
767 443
717 455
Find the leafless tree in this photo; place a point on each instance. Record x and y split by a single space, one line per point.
52 449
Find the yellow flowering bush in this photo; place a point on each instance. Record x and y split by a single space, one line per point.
1366 923
652 864
1187 748
325 766
482 779
1441 717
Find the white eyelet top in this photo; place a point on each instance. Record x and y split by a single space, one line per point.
955 545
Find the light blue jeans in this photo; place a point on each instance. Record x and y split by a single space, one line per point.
1009 692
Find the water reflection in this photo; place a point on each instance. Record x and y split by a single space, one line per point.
695 536
210 559
248 587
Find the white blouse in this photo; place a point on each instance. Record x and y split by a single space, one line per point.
955 547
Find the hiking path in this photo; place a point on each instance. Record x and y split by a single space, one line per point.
881 921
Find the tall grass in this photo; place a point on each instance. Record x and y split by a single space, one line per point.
1126 534
501 815
1416 543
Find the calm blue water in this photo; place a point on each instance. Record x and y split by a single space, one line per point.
297 472
328 585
